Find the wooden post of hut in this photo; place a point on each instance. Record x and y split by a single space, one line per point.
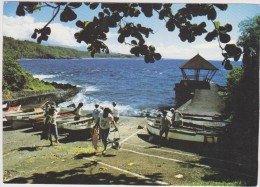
196 74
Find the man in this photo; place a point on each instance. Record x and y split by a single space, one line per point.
104 122
176 117
172 110
96 113
115 112
78 112
165 124
51 122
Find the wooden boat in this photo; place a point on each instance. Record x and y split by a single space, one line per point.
186 132
38 121
12 116
82 124
24 119
21 122
14 108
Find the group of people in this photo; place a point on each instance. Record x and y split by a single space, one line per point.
167 121
103 118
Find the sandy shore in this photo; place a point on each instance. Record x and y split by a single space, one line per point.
29 160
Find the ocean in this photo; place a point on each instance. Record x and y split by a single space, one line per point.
137 87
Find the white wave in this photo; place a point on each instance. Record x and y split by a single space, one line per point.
89 89
124 110
61 82
43 77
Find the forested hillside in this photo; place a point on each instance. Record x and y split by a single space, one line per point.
27 49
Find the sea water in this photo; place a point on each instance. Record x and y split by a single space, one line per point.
136 86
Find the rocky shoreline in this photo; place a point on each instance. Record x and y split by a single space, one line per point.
60 94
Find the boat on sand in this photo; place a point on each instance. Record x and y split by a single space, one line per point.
204 134
82 124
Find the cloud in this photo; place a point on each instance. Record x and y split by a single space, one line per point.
19 27
22 28
60 34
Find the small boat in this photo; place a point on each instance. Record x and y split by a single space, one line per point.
82 124
21 122
14 108
186 132
4 106
38 121
35 112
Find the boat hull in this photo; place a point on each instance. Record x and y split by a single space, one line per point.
183 134
83 124
21 123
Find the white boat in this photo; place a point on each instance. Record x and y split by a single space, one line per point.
22 120
4 106
11 117
186 133
82 124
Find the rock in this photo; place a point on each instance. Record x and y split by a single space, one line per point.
179 176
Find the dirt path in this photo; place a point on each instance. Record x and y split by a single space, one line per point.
27 159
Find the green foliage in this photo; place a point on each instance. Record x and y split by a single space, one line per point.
250 32
243 90
27 49
15 78
233 81
7 94
112 15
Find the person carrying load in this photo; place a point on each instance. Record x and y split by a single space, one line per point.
104 122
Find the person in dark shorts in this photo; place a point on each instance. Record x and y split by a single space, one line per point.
165 124
104 122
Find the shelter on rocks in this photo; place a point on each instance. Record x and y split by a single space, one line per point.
196 74
199 66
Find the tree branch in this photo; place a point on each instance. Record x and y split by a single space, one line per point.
53 16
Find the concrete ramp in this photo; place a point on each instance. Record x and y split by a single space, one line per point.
205 102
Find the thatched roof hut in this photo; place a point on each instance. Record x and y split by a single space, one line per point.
198 63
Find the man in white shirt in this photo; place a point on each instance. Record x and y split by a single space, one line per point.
96 113
115 112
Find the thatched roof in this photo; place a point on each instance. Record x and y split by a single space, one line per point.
198 62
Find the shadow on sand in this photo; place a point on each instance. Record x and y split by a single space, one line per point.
95 175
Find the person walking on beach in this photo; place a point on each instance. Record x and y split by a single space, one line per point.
115 112
95 116
104 122
165 124
51 125
78 112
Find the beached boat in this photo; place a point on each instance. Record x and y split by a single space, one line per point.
4 106
24 119
186 133
39 120
21 122
29 113
82 124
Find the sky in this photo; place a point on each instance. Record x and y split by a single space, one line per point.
167 43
